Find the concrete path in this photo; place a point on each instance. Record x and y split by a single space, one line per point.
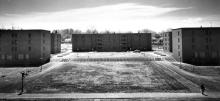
108 95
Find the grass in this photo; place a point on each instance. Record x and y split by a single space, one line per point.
103 78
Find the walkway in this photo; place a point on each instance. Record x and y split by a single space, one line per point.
108 95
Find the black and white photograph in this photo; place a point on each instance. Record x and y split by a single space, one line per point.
109 50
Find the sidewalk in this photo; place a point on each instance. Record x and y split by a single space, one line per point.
107 95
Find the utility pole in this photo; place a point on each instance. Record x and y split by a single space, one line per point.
23 75
180 62
41 64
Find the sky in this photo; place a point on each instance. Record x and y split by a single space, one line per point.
113 15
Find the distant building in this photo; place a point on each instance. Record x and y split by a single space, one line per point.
198 46
167 42
67 40
55 43
24 47
111 42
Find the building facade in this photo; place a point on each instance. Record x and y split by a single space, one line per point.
111 42
24 47
55 43
198 46
167 42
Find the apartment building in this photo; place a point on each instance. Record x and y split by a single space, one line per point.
55 43
24 47
198 46
111 42
167 42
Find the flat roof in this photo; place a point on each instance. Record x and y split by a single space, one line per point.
112 33
23 30
197 28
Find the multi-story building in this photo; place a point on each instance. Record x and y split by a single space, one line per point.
24 47
111 42
55 43
167 42
198 46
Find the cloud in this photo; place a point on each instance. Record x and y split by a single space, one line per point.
119 17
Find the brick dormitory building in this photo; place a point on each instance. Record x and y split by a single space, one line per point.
197 46
55 43
111 42
167 41
24 47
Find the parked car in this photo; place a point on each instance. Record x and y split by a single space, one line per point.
137 51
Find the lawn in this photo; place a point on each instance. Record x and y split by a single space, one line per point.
102 77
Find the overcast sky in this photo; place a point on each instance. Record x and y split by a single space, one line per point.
115 15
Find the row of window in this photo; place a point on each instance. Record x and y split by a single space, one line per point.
14 49
14 42
207 39
205 54
165 48
19 57
15 35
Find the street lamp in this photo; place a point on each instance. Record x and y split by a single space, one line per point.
180 62
23 75
41 64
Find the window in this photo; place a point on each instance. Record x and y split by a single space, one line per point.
13 49
178 39
43 34
123 40
210 39
9 57
207 33
178 53
43 41
178 46
214 54
195 54
193 33
14 35
99 39
44 48
178 33
207 47
29 48
207 40
99 44
27 56
193 39
29 35
124 47
202 54
3 57
14 42
193 46
20 56
29 41
123 43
